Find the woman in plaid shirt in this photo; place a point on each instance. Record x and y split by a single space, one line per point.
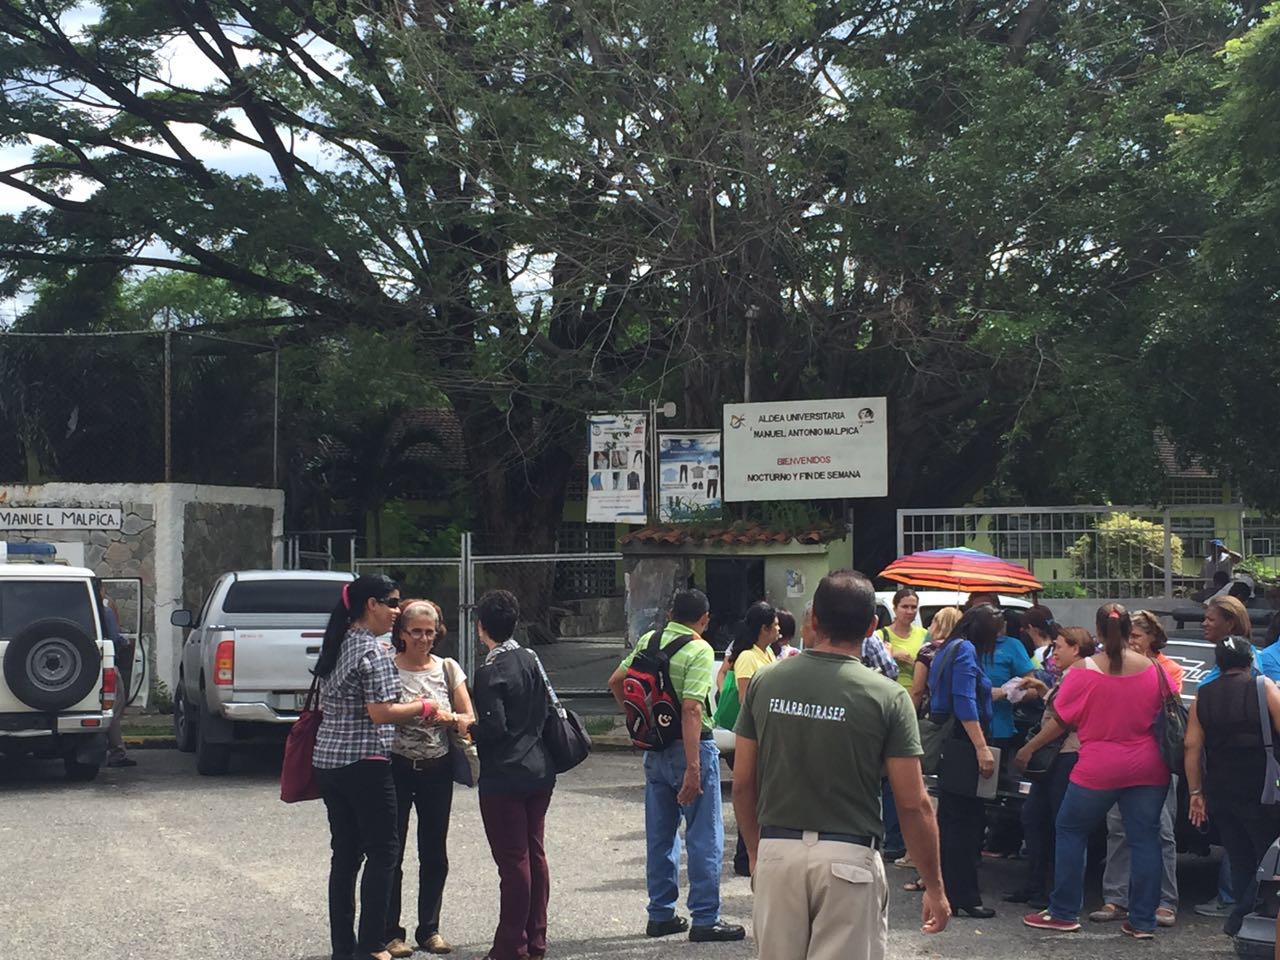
359 698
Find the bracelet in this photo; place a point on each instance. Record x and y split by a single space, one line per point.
1196 793
426 708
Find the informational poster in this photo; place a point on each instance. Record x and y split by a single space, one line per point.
806 449
616 468
688 475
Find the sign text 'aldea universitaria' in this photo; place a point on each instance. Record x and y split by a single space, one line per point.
806 449
60 518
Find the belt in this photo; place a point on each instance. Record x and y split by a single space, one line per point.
787 833
412 764
707 735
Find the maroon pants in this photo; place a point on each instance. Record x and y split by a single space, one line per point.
514 825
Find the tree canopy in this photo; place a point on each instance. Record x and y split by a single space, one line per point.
567 206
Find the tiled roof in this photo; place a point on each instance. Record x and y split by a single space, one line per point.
736 535
1174 465
449 450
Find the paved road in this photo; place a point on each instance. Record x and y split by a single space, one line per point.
156 861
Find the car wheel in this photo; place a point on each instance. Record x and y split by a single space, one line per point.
184 720
52 664
78 772
212 759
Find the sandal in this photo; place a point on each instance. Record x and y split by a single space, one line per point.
914 886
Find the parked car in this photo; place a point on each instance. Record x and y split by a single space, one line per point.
58 684
246 662
931 601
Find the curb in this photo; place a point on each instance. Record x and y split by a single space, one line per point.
148 742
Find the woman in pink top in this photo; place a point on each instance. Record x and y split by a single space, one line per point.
1113 710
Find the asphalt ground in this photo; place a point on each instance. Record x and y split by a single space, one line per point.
157 861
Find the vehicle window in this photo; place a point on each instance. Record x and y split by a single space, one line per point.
22 602
283 596
204 610
926 615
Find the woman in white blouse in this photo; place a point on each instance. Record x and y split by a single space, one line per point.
422 771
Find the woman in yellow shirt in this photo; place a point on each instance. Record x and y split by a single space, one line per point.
752 647
904 637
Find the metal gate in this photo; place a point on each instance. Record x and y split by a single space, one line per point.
571 609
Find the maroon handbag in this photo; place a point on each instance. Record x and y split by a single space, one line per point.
297 775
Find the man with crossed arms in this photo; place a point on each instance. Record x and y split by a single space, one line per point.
814 735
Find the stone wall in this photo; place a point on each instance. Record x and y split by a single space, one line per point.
218 537
176 538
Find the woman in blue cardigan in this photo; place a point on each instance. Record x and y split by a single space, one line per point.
959 688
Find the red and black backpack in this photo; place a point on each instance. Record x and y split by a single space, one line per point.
649 699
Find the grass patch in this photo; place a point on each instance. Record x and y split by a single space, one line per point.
146 725
598 725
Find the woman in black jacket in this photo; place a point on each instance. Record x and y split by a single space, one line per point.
516 777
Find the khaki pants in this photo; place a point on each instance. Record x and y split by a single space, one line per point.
820 900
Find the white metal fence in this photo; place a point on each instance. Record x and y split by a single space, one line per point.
1092 551
570 604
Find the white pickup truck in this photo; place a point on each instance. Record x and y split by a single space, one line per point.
247 660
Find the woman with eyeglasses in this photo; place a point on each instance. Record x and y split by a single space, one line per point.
421 769
360 699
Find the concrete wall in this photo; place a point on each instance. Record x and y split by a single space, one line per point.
165 529
789 580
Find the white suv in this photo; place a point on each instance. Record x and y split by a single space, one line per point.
58 677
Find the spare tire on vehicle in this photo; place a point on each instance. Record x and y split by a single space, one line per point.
52 664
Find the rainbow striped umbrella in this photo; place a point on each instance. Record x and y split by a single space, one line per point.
959 568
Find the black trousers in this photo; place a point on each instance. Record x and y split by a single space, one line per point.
429 790
741 862
1039 814
1247 829
361 802
961 822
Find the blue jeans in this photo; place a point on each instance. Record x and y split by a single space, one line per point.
893 841
1083 810
703 834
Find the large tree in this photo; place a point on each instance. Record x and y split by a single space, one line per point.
581 204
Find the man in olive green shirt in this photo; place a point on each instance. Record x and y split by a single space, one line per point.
683 781
814 736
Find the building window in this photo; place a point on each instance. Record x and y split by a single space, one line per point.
580 579
1195 533
1193 490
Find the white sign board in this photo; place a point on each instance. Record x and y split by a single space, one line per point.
806 449
617 467
60 518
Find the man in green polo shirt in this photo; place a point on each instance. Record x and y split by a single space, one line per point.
814 735
683 780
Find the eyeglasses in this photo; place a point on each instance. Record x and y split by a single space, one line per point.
392 602
421 633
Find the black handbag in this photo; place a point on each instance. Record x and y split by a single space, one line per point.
565 737
1041 760
1170 726
935 732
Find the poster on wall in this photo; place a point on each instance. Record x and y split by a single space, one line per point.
616 462
806 449
688 475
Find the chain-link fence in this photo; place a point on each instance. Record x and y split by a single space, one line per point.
1097 552
141 407
572 610
438 580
